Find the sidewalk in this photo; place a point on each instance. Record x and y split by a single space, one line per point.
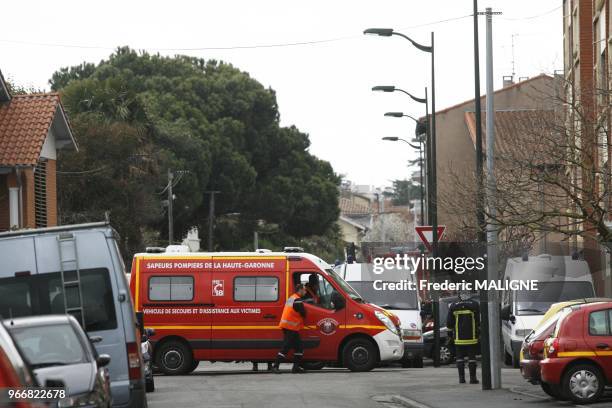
440 389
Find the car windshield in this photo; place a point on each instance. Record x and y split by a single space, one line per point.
353 294
535 302
49 345
388 299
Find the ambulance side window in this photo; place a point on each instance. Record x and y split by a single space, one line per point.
171 288
328 293
256 289
325 291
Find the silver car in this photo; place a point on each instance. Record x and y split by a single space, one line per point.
56 347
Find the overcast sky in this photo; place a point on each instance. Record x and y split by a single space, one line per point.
322 88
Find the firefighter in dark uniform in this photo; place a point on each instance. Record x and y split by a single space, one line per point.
463 324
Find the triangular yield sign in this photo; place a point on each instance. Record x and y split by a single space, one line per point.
425 233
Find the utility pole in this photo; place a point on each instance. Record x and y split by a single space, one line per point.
480 216
170 208
211 218
493 309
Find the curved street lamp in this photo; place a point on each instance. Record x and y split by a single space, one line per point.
391 88
431 156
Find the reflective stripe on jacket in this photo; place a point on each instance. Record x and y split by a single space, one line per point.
464 321
291 319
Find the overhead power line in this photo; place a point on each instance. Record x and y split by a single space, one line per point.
531 17
220 48
78 173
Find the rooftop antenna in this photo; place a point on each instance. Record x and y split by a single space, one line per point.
513 61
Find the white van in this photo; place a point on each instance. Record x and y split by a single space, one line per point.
560 278
401 301
77 269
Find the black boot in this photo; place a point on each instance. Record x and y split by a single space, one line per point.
461 370
472 367
297 360
275 367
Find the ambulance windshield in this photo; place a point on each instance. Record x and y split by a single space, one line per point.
345 286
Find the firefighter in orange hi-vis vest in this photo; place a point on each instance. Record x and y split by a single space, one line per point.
292 321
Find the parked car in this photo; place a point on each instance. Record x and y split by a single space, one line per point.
14 371
56 346
578 355
532 351
147 358
77 269
560 278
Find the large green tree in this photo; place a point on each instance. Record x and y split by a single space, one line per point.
137 115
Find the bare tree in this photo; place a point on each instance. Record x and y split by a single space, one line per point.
553 174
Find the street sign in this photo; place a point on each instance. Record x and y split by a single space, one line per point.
425 233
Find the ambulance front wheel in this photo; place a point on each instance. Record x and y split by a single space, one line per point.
174 358
359 355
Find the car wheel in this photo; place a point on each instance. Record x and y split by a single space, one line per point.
554 390
150 385
313 365
174 358
445 355
583 383
359 355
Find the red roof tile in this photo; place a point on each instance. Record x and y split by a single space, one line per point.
350 206
517 132
24 124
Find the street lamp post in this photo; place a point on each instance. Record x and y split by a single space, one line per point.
420 147
431 145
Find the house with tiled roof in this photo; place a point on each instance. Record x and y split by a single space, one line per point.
32 130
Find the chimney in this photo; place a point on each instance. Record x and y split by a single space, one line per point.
508 80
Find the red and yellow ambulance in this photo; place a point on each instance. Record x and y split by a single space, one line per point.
227 306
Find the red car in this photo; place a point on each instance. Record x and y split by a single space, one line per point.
14 372
578 355
532 353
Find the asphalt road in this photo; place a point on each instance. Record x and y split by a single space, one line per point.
231 385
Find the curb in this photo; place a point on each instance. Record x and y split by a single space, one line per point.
407 402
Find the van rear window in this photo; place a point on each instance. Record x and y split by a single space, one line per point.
42 294
171 288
